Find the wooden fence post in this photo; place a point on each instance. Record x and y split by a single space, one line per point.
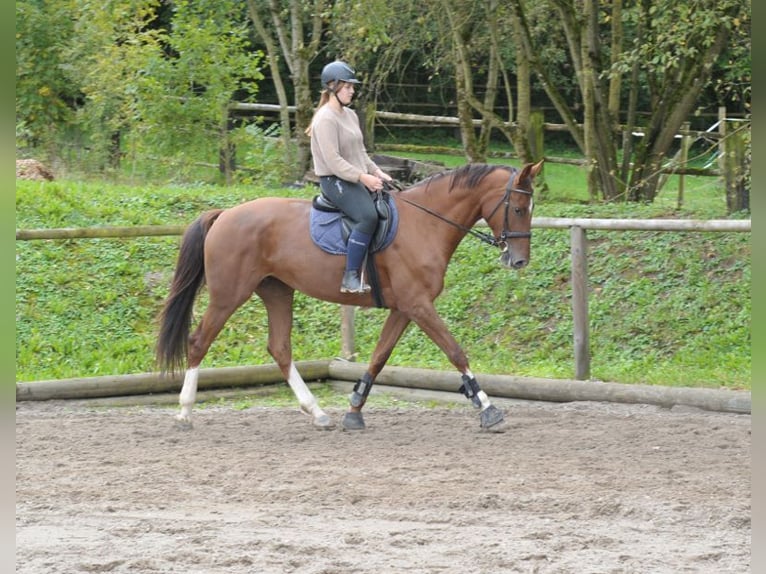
732 162
348 331
579 248
686 141
227 151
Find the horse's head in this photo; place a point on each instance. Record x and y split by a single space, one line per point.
511 218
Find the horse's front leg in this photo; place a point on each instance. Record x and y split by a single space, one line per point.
392 331
426 317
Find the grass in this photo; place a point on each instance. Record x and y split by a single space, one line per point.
665 308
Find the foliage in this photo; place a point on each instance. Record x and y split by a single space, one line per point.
97 81
44 95
105 60
182 100
113 81
666 308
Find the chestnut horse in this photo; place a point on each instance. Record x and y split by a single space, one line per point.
264 247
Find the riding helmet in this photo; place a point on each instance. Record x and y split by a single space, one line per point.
338 72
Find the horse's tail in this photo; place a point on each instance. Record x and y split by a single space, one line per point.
189 277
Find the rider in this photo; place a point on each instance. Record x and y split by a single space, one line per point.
344 168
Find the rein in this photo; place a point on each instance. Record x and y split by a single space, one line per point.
480 235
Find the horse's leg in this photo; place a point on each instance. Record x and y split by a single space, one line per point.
278 299
212 322
426 317
392 331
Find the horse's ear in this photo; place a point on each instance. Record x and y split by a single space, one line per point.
530 171
535 169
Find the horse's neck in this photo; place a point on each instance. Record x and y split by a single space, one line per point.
446 216
455 205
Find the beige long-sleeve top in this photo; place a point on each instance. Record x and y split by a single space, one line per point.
337 145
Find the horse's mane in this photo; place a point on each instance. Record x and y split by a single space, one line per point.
470 175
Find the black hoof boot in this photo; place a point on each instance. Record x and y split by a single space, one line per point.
491 417
352 283
353 421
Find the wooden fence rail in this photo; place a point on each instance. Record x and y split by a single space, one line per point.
413 120
578 244
224 379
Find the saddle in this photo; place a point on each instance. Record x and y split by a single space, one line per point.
330 227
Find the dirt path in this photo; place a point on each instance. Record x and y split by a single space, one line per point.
568 488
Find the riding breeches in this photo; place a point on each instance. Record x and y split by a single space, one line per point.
353 199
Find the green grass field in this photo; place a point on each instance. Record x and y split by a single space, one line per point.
665 308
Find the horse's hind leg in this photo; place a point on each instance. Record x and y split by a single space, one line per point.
210 326
278 299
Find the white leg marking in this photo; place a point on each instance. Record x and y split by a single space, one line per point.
188 394
484 400
481 394
306 399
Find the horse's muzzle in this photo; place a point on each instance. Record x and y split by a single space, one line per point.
509 260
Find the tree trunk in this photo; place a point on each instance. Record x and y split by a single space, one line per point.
604 152
290 33
464 86
272 55
539 67
675 104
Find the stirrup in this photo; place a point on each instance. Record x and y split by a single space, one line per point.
352 283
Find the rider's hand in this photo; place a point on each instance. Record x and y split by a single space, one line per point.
371 182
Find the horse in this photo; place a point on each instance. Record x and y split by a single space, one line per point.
263 246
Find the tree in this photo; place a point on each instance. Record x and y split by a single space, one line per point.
183 93
105 59
44 95
670 48
478 51
375 37
682 44
128 73
291 31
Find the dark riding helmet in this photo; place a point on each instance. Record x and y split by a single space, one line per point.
338 72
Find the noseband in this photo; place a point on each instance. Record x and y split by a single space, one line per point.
505 235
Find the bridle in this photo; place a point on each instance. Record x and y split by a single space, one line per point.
505 235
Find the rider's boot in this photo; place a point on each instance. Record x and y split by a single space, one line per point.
357 249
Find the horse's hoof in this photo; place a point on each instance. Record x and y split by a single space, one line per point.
490 418
324 422
353 421
183 423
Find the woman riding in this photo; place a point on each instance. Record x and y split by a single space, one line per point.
346 173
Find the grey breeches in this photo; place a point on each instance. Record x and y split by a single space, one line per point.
353 199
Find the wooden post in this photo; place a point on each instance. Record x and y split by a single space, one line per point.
722 140
347 331
685 143
579 247
732 161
